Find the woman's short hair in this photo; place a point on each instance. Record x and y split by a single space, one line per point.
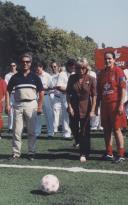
83 62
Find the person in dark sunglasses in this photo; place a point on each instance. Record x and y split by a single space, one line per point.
27 86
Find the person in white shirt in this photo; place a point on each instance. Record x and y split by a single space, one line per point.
13 70
62 86
95 121
55 96
47 107
126 97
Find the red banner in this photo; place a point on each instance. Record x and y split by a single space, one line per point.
121 55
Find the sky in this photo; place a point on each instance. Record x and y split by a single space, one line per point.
105 21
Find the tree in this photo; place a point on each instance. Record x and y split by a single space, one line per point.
21 33
16 34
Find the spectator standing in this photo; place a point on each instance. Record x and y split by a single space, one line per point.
95 121
13 71
47 107
55 96
126 98
27 85
111 89
62 86
81 96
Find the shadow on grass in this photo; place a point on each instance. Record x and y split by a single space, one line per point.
42 137
39 192
54 154
4 156
43 156
97 134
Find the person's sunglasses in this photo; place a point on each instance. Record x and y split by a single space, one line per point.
54 66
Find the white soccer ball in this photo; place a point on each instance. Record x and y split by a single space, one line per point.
49 184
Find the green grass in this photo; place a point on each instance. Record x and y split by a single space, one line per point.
20 186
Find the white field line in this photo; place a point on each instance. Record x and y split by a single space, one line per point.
72 169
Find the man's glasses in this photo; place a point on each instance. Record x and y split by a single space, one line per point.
27 62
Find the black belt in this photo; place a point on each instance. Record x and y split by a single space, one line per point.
26 100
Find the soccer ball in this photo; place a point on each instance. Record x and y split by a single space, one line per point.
49 184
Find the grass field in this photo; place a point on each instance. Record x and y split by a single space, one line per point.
19 186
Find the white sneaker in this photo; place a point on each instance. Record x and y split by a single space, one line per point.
93 128
100 128
76 145
83 159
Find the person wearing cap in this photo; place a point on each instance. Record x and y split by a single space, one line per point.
81 98
27 85
13 70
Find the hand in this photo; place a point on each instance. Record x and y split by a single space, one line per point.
7 109
70 111
121 109
92 114
39 110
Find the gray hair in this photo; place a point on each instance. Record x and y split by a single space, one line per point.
28 55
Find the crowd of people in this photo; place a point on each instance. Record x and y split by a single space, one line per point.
72 95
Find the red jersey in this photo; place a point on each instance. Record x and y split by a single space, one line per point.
110 84
3 87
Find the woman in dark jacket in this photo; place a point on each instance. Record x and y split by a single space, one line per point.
81 97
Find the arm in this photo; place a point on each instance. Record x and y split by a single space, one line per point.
99 91
69 108
7 102
122 88
40 102
92 113
9 89
61 88
68 96
122 99
62 82
93 97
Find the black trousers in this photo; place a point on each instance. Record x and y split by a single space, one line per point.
80 128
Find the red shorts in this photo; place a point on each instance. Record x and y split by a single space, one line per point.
111 118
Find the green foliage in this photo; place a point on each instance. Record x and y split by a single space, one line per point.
20 33
16 34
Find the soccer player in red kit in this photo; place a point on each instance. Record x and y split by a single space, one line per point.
111 91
